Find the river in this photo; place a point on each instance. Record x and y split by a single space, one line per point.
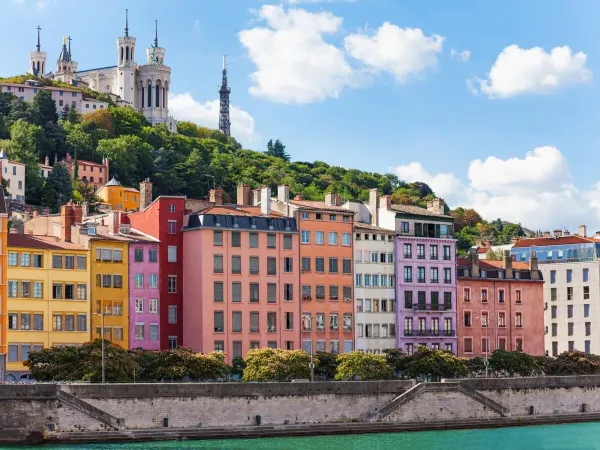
581 436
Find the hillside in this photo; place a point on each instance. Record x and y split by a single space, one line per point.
191 162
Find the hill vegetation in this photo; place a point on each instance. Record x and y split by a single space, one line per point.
190 162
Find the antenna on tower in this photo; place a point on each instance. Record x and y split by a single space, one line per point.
156 33
224 91
126 23
38 44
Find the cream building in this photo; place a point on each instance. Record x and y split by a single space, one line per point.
14 173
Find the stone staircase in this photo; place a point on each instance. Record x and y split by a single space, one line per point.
452 386
90 410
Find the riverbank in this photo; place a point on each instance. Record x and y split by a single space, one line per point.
125 412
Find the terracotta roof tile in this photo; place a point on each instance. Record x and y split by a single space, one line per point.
369 227
237 210
417 210
545 241
41 242
321 206
492 264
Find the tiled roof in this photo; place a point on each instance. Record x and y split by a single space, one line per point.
103 233
113 182
320 206
545 241
131 189
236 210
41 242
492 264
369 227
417 210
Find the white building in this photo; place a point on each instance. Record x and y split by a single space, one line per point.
14 173
144 87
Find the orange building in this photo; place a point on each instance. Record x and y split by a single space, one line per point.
240 280
91 173
119 197
500 306
3 272
326 270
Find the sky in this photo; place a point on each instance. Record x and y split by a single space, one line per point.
494 103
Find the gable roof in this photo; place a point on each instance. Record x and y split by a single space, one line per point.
492 264
40 242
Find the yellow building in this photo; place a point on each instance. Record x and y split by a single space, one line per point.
48 292
119 197
3 302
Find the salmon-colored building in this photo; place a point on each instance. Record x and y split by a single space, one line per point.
500 306
241 280
326 270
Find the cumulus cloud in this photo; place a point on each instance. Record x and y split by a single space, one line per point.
463 55
520 71
403 52
536 190
298 2
294 64
185 107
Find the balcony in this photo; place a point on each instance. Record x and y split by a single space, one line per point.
429 333
431 307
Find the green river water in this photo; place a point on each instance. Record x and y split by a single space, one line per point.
554 437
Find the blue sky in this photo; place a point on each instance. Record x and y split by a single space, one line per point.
468 96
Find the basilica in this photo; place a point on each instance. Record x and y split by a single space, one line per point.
144 87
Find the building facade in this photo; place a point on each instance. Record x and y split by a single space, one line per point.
163 220
326 270
121 198
241 280
3 275
91 173
14 174
374 288
570 266
500 306
48 297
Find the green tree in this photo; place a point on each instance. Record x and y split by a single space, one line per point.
58 188
131 158
396 359
25 143
435 364
494 255
45 106
276 365
511 363
327 366
362 366
127 121
277 149
574 363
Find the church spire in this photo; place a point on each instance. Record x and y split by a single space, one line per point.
156 33
38 44
224 91
126 23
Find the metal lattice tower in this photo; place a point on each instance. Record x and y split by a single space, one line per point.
224 91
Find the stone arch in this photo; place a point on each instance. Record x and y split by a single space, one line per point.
127 53
121 53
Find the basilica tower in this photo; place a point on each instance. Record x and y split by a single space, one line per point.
126 85
37 59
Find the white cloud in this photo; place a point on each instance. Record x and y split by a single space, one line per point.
536 190
463 56
184 107
293 62
403 52
298 2
18 2
520 71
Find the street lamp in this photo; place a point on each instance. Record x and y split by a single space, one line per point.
102 337
487 344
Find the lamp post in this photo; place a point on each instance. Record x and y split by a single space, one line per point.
102 337
487 345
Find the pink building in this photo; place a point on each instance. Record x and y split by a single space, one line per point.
241 285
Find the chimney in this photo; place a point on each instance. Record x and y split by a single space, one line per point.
373 206
107 168
46 161
507 264
582 231
66 221
533 266
265 200
299 197
283 193
338 200
77 214
115 222
85 209
216 196
330 198
557 233
436 205
474 259
385 202
145 194
255 197
243 194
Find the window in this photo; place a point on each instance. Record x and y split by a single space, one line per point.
373 257
218 263
25 289
57 291
319 216
333 321
305 237
586 275
254 322
433 274
305 264
518 296
254 265
404 227
56 322
553 276
139 305
586 310
588 328
408 274
346 239
139 255
153 305
153 331
172 227
484 295
237 349
236 322
289 321
172 342
38 289
56 262
236 239
320 292
569 293
153 280
447 255
306 292
569 275
288 265
271 241
139 332
218 291
332 238
333 292
319 237
347 266
152 255
569 311
586 292
485 345
13 258
117 256
254 292
217 238
319 264
271 293
139 280
69 291
38 260
271 322
172 254
117 281
407 250
501 296
571 345
467 319
553 312
287 241
172 284
304 215
485 319
447 275
519 345
171 207
333 265
218 322
502 319
420 251
519 320
588 345
421 274
288 292
433 252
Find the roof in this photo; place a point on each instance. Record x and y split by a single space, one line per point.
546 241
131 189
113 182
103 233
40 242
97 68
492 264
417 210
238 210
320 206
368 226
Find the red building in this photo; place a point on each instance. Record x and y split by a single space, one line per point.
163 219
500 306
